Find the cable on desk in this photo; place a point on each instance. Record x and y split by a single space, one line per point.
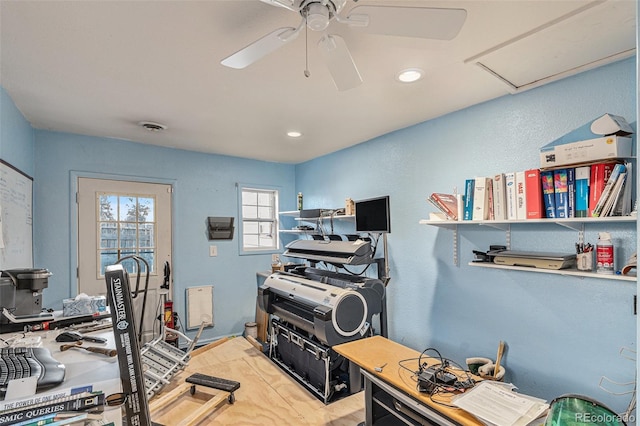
432 380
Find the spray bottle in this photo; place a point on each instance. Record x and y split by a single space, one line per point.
604 254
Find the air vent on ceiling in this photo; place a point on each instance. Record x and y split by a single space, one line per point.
152 127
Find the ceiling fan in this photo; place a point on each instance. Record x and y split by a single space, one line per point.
421 22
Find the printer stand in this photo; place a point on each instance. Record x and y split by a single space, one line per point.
315 366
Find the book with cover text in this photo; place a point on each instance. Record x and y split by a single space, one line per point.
561 196
521 196
582 191
510 188
468 199
499 197
85 401
533 193
447 203
548 193
481 198
571 192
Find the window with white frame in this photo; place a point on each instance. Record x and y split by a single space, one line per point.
126 226
259 219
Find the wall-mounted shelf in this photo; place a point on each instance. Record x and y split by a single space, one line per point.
567 272
295 214
297 231
576 224
572 223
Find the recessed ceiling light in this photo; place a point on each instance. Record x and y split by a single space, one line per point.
294 134
152 126
409 75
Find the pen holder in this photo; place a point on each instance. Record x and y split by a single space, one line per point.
584 261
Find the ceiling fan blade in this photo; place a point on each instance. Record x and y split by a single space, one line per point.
260 48
339 61
287 4
421 22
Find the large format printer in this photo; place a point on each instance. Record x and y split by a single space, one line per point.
312 310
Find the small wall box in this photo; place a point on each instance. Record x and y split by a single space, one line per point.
220 228
559 153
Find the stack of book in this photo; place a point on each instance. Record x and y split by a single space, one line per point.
504 196
67 410
593 190
587 190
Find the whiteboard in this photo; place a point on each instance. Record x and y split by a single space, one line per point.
16 220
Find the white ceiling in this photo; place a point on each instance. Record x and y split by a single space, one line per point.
100 67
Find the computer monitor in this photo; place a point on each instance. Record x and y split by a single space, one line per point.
372 215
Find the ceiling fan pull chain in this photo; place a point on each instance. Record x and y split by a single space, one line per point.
306 51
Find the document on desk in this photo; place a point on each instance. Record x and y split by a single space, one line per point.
497 404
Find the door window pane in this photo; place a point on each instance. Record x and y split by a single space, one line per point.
126 227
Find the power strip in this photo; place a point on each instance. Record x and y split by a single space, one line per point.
431 377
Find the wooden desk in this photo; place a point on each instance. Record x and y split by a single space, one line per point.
396 387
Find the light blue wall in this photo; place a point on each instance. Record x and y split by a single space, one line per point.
205 185
16 136
562 333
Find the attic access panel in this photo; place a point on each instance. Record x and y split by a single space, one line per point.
593 35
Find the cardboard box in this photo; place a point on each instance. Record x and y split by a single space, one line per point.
560 153
88 305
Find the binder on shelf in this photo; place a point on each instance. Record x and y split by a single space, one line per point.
548 193
481 198
468 199
490 190
582 191
510 188
521 196
561 195
571 192
499 197
533 193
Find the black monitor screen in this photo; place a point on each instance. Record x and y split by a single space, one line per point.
373 215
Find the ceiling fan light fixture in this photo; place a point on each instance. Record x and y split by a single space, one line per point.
409 75
317 17
294 134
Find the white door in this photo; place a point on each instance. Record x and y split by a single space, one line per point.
118 219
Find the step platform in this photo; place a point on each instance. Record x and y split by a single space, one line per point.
199 406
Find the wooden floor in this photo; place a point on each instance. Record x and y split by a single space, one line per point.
267 395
